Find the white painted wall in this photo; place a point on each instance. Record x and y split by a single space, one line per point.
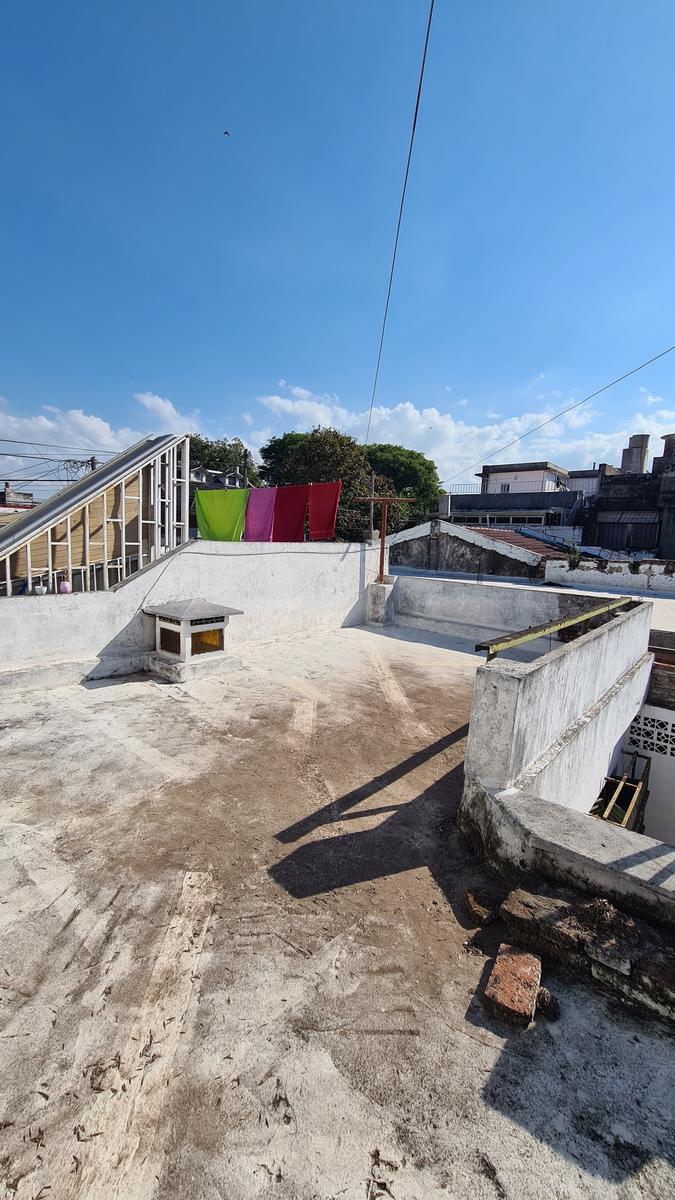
551 727
652 576
476 611
523 481
282 588
658 741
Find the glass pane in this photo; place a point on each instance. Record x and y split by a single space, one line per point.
169 640
205 641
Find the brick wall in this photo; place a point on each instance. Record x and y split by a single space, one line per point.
662 686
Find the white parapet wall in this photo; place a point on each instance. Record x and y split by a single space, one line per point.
657 577
554 724
475 612
543 736
281 588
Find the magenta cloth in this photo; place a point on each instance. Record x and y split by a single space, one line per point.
260 515
323 505
289 513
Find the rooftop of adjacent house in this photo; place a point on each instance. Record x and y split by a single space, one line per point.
495 468
510 537
240 900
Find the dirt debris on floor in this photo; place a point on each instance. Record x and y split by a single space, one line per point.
232 964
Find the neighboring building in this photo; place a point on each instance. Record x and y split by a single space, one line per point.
441 546
13 504
523 477
626 509
512 508
635 510
10 498
203 477
530 493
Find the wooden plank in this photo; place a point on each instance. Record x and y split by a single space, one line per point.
614 796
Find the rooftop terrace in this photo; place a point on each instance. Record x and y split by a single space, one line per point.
234 951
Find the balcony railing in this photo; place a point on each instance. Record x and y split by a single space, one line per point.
513 488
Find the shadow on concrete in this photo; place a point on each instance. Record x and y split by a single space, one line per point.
640 857
584 1085
577 1085
334 811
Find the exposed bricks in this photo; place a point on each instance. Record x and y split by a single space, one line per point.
511 992
595 940
662 686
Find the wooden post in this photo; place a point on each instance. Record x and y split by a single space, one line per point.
87 580
383 534
385 501
371 528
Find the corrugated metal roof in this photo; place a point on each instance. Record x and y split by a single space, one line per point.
72 497
511 538
632 518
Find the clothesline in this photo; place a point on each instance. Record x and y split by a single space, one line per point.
268 514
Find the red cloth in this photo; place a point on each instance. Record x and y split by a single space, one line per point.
290 507
323 505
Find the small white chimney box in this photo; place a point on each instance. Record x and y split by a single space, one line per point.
191 638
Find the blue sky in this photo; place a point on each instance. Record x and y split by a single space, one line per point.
157 275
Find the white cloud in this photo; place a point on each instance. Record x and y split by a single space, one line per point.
579 418
167 417
247 418
308 409
462 403
649 399
448 388
75 433
455 443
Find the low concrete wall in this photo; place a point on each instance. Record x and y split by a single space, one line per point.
282 588
542 738
651 577
474 612
561 716
528 835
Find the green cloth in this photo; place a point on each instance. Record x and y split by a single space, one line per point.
220 514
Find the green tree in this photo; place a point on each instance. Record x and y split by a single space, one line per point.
412 474
325 455
222 455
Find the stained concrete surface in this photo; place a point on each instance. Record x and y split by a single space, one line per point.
233 952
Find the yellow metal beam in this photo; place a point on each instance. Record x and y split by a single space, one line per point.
537 631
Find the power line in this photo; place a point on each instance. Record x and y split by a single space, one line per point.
400 217
550 420
56 446
34 457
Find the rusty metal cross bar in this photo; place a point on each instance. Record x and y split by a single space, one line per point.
385 501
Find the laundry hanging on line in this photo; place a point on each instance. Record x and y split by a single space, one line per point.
220 513
323 505
260 515
268 514
289 513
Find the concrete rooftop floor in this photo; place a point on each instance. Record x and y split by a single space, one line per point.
233 957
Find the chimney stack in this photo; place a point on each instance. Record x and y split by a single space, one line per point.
634 457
